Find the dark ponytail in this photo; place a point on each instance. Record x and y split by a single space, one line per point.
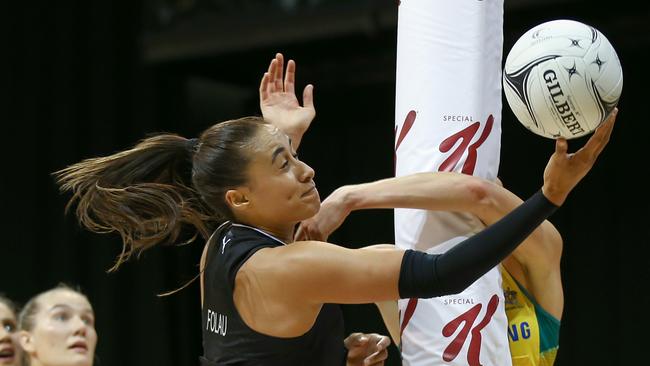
146 193
143 193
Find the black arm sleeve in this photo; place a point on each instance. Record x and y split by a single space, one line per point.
426 275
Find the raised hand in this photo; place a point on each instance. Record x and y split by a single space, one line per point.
279 103
564 170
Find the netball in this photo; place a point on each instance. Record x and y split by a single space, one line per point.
562 78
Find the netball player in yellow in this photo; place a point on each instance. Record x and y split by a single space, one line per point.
534 298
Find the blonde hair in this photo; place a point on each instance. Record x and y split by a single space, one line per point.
31 308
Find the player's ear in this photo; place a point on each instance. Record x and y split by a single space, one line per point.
237 199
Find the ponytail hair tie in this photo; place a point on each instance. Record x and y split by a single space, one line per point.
193 144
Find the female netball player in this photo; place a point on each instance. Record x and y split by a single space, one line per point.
57 328
266 302
9 348
531 275
532 281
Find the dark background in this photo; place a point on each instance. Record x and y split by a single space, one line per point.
88 78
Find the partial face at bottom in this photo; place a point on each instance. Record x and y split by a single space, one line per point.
9 348
64 330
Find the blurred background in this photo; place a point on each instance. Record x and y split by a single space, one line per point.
88 78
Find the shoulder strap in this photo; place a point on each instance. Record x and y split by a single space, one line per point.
206 254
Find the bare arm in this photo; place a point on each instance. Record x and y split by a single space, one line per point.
536 263
430 191
318 273
304 275
280 291
456 192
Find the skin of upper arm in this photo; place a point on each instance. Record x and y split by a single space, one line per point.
318 272
438 191
280 291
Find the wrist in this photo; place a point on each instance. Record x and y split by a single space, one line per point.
347 198
286 124
553 195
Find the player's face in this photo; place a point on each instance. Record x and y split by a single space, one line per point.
9 349
64 330
280 187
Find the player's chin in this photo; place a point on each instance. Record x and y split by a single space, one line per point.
310 208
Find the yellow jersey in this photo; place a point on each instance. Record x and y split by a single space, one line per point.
533 333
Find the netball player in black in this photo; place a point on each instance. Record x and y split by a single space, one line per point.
267 300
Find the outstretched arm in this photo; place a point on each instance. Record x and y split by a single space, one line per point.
279 103
536 262
317 273
309 274
440 191
443 191
322 273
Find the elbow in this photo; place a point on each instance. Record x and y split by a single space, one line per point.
481 195
477 188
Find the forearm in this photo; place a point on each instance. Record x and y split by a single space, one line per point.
460 266
428 191
489 201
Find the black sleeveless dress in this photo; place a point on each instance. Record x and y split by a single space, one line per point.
227 340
